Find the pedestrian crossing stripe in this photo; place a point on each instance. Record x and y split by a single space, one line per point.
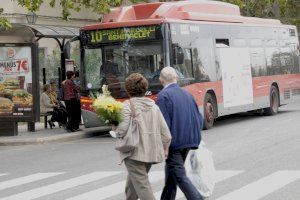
60 186
26 179
3 174
263 186
106 192
220 176
253 191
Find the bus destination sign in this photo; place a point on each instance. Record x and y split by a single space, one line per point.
121 34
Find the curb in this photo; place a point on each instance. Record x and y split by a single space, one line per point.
88 132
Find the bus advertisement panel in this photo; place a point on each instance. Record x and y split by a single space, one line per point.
236 77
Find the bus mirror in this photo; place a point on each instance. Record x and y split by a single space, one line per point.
179 56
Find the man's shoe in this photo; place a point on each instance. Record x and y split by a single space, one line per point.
70 130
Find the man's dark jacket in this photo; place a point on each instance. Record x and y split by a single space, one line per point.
182 116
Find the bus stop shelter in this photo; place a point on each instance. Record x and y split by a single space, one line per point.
30 34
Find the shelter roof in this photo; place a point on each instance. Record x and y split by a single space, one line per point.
40 31
54 31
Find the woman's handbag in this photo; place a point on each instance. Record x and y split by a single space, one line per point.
131 140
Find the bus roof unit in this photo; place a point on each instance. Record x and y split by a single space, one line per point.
210 11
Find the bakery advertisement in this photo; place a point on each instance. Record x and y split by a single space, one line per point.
15 81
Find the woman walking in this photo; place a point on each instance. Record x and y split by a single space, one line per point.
154 138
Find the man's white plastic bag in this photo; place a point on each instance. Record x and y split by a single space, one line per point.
200 169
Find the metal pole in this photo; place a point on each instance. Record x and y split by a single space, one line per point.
63 61
44 76
59 77
63 66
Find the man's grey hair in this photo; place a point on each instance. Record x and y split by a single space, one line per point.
169 74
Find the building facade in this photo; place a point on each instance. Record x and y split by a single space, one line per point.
49 51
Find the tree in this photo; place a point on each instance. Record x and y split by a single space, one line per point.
3 21
96 6
287 11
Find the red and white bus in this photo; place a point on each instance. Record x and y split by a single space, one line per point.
230 63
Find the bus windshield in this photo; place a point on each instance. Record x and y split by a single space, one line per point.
110 65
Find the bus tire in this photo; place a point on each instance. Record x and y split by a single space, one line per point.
274 102
210 107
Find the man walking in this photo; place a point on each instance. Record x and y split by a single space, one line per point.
185 123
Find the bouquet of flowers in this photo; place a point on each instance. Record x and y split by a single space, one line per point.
108 108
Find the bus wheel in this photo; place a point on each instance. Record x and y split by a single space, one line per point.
274 102
209 111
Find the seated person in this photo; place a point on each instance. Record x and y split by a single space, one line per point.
108 69
53 92
47 106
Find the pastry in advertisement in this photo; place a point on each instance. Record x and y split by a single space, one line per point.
6 106
11 83
22 98
6 93
2 87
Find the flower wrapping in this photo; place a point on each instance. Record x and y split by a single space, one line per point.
108 108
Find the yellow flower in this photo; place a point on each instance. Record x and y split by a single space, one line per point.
107 107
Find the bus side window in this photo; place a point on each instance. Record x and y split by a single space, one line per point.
185 66
272 50
258 61
199 63
257 57
222 43
295 48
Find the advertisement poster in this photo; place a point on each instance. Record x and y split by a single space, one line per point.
16 97
70 64
236 76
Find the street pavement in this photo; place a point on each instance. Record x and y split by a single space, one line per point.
256 157
43 136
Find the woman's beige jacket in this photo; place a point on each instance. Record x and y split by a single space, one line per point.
45 103
154 131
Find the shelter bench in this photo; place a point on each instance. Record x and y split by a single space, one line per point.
31 125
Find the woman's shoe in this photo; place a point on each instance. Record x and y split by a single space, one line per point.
51 124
